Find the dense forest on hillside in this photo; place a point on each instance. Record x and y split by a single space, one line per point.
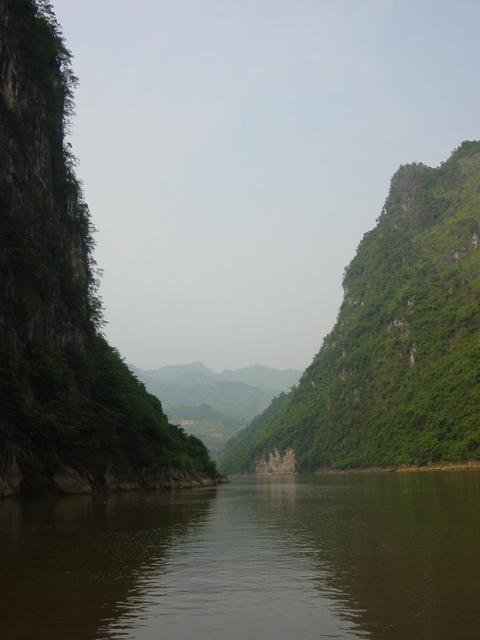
73 416
397 380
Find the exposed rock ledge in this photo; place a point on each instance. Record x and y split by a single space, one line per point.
69 481
276 463
10 477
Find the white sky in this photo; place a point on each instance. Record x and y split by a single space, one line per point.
234 152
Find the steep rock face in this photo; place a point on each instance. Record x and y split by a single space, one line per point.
45 242
72 416
276 463
396 381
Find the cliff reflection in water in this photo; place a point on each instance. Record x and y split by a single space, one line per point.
399 554
380 556
72 567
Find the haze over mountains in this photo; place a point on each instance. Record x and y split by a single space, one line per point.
214 405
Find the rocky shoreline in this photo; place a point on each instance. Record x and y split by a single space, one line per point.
471 465
68 481
276 463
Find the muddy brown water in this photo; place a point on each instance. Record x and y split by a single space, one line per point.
382 556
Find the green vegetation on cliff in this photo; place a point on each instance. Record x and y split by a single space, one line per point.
397 380
69 405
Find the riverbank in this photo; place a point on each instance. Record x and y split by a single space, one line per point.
67 480
471 465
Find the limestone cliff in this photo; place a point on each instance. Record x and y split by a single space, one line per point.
396 382
276 463
71 414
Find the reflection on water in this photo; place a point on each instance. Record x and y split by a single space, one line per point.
342 556
71 567
399 553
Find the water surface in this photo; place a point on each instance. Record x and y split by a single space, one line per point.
343 556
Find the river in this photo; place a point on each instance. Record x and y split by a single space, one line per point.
382 556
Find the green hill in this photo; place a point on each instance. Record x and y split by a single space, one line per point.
397 380
72 415
213 428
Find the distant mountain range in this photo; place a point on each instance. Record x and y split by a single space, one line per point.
197 373
214 405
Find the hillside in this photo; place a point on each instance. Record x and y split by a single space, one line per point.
73 417
213 428
215 406
396 381
263 377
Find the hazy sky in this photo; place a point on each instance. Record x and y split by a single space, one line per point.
234 152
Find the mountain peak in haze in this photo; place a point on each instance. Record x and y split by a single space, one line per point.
256 375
